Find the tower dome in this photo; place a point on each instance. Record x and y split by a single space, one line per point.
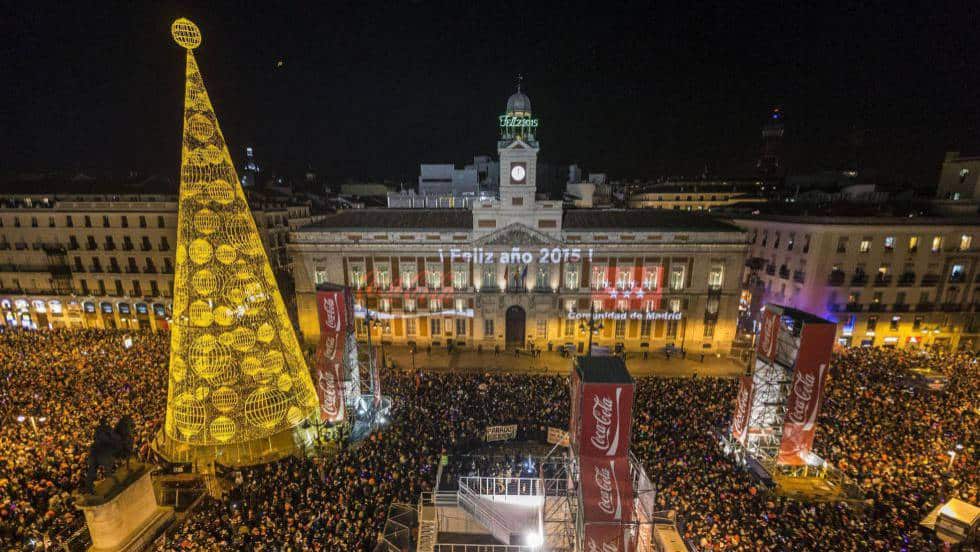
518 104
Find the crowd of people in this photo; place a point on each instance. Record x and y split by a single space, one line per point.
889 435
55 388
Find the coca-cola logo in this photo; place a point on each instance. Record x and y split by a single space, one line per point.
768 337
331 316
804 409
609 500
593 546
605 413
327 382
329 346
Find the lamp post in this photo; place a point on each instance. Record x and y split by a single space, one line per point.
591 327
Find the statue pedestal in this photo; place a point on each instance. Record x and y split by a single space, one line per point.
122 513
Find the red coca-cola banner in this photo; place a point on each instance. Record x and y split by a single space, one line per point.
328 371
607 537
768 335
607 492
743 408
806 393
606 416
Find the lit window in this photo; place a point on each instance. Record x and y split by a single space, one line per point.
489 275
651 277
624 278
716 276
676 277
599 277
675 305
357 276
937 244
865 245
571 276
460 276
433 275
541 281
965 242
913 244
409 275
488 327
889 243
382 275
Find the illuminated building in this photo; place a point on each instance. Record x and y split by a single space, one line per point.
101 254
238 384
959 183
250 172
768 165
514 271
886 281
697 195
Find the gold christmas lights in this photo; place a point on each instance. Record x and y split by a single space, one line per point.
237 374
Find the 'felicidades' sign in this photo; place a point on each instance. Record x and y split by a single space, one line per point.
626 315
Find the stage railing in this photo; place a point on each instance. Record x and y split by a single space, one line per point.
470 501
503 486
483 548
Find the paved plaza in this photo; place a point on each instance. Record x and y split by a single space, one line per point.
655 364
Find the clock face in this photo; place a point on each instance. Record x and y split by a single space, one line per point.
517 173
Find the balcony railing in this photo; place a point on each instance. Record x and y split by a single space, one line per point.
882 280
924 307
876 307
799 276
859 279
901 307
952 307
957 278
853 307
784 272
836 278
930 280
906 279
771 270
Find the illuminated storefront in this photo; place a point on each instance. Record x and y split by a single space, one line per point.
58 313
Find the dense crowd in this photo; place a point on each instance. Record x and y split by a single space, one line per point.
55 387
890 436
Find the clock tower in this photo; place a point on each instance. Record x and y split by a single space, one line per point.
518 151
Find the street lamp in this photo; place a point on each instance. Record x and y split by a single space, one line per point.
592 327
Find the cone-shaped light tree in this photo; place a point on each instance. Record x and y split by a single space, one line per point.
237 373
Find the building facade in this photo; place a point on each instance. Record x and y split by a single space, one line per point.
105 261
894 282
516 272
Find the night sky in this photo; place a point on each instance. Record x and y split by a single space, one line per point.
369 90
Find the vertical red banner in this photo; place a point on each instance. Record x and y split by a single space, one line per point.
743 409
607 492
607 537
606 419
328 371
806 393
768 334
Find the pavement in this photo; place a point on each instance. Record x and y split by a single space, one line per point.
553 363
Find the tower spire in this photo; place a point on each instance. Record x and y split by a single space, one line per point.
237 373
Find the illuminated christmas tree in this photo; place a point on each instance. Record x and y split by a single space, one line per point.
238 379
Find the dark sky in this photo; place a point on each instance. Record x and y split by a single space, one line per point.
369 90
